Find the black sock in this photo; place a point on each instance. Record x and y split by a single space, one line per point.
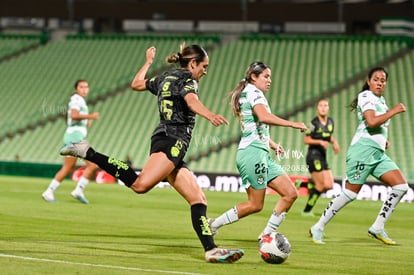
116 168
313 197
200 225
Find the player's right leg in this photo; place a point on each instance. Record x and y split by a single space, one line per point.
117 168
78 192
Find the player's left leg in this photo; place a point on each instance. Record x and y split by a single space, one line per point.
399 185
321 181
184 182
67 167
284 186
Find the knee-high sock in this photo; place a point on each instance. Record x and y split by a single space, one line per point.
334 206
115 167
274 222
201 227
394 197
230 216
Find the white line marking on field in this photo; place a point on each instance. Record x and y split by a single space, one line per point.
97 265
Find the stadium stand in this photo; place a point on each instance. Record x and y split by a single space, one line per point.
304 69
13 44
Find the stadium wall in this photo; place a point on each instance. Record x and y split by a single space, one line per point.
358 17
220 182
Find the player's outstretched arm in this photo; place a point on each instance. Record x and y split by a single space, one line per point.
197 107
138 84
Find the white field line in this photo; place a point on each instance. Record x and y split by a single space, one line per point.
97 265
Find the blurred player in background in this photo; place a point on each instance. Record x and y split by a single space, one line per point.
78 121
318 137
178 104
366 156
257 168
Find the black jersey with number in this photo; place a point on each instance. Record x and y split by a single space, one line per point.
176 119
318 130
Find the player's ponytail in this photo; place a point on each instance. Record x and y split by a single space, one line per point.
186 54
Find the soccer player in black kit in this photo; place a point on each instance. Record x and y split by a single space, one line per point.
178 104
318 137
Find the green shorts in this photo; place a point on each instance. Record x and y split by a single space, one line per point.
73 137
256 167
362 161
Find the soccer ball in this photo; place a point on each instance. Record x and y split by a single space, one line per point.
274 248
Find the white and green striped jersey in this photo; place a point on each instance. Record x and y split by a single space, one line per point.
77 102
375 137
254 132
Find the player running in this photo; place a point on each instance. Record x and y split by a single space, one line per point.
257 168
318 137
78 121
178 103
366 156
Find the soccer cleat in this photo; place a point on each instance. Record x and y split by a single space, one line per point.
214 230
48 196
316 235
223 255
381 235
78 149
80 197
308 214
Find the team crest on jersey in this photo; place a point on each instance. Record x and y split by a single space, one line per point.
175 150
357 175
330 127
260 180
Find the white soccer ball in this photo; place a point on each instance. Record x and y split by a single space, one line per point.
274 248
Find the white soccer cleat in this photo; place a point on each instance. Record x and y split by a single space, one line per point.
381 235
78 149
48 196
316 235
223 255
79 196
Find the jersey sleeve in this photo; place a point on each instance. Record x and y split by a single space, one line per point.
256 97
366 101
333 125
311 129
190 86
152 85
76 103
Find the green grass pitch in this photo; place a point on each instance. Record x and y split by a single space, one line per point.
120 232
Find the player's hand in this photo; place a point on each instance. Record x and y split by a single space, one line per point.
301 126
399 108
150 54
279 150
94 115
336 147
324 143
217 120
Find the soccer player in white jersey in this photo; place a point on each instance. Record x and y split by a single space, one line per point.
366 156
256 166
78 121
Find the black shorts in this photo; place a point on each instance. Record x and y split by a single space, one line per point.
316 161
173 148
